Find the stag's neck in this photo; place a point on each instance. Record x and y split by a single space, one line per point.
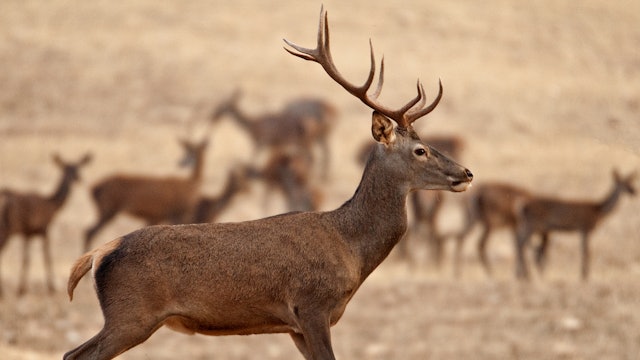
375 218
62 192
610 201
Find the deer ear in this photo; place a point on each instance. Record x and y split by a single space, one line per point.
382 128
86 159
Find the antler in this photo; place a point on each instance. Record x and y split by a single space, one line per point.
403 116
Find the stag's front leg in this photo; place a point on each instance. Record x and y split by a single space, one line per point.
315 340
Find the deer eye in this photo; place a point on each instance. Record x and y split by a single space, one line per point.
420 151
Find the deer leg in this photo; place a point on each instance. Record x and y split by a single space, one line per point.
436 242
26 260
460 238
482 251
314 342
541 252
522 238
301 344
46 253
457 259
585 256
3 241
112 341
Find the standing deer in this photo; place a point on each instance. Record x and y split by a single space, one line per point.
30 214
288 171
545 214
153 199
493 206
208 208
292 273
303 123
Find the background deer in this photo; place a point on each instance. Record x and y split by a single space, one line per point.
545 214
293 273
30 214
492 205
152 199
303 123
209 208
290 172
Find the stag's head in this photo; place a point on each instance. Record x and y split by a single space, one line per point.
408 156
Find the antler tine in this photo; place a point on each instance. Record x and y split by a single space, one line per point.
322 55
378 90
415 115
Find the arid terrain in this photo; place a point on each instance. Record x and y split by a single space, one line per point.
545 94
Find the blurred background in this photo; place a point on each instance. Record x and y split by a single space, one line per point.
543 95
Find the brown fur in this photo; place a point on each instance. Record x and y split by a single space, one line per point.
88 261
155 200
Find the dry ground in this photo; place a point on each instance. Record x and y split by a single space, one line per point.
546 94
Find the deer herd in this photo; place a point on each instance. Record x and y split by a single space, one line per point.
292 273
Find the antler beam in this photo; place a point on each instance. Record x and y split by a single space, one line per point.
403 116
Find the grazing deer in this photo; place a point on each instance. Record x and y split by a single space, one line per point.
209 208
30 214
292 273
426 205
303 123
545 214
493 206
288 171
153 199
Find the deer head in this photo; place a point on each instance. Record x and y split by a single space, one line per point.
434 170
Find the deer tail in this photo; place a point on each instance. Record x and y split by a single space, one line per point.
88 261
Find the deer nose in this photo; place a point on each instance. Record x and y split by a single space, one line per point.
469 174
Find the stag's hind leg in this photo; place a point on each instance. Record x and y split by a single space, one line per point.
113 340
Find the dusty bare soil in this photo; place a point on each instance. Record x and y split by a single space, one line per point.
545 94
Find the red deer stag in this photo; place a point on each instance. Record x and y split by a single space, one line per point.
30 214
153 199
492 205
293 273
303 123
545 214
